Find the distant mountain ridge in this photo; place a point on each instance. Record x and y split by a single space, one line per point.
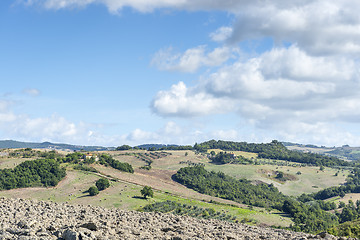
156 146
49 145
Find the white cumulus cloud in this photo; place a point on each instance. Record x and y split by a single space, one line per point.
279 89
221 34
184 102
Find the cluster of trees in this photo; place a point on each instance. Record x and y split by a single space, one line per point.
123 148
350 212
100 185
43 172
225 157
110 161
75 157
348 229
30 153
78 157
104 159
307 217
177 148
187 210
274 150
235 146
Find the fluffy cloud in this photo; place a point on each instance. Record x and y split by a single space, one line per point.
278 79
279 89
184 102
53 128
221 34
192 59
320 27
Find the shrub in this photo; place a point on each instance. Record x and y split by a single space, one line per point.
147 191
102 184
93 191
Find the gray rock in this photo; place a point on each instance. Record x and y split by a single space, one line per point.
70 235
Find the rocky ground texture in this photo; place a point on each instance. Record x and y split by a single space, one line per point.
31 219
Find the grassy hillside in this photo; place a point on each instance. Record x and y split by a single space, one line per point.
124 191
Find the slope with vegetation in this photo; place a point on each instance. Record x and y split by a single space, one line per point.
45 173
310 218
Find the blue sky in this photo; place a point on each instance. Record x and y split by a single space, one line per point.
113 72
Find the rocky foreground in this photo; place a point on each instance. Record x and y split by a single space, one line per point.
30 219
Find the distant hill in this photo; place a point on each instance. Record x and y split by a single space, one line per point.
49 145
345 152
156 146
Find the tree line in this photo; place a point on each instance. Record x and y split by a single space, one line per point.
103 159
42 172
274 150
107 160
225 157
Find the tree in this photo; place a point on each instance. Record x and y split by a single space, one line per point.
123 147
280 175
147 191
93 191
102 184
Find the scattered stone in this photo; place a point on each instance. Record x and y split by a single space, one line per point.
35 220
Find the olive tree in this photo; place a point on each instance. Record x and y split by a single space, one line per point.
102 184
93 191
147 192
